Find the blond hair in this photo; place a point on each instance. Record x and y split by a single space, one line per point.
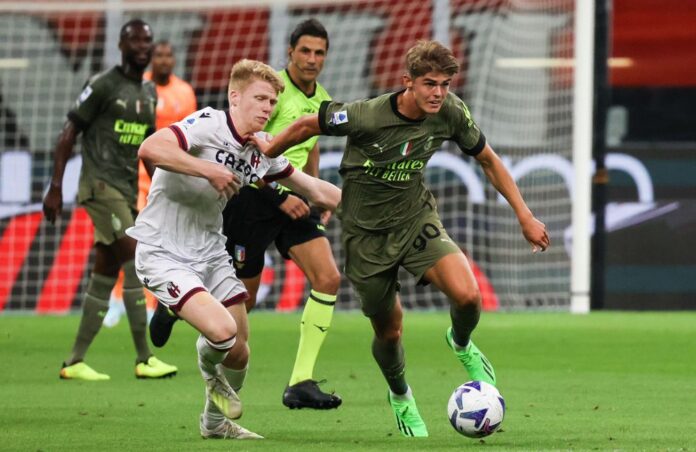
244 72
430 56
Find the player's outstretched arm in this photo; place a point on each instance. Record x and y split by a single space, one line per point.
162 150
53 201
532 229
319 192
299 131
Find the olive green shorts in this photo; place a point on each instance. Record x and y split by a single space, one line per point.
373 259
109 210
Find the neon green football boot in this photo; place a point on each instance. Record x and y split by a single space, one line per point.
154 368
219 391
81 371
474 361
408 419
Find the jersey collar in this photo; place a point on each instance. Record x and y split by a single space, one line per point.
395 108
123 74
235 134
300 89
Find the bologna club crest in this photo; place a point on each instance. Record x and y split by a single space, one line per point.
173 290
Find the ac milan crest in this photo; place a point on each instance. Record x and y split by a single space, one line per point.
173 290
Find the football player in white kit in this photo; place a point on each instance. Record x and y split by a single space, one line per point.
201 162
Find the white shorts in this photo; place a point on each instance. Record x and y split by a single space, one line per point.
173 280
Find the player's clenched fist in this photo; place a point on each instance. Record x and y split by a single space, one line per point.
53 204
294 207
535 233
223 180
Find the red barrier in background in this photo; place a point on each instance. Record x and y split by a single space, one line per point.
70 263
14 248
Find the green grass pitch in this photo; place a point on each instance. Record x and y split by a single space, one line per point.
604 381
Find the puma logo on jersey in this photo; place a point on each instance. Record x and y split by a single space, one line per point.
378 147
123 103
429 143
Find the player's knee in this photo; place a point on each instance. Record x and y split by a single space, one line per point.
466 297
327 281
238 356
389 335
100 286
222 345
222 332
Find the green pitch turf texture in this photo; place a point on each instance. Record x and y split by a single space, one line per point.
604 381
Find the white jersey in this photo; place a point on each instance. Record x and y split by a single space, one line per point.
184 213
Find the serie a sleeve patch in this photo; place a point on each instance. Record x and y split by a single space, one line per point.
340 117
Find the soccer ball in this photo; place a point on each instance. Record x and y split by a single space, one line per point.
476 409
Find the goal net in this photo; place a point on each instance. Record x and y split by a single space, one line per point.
516 78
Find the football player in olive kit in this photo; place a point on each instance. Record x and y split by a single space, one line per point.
389 218
115 112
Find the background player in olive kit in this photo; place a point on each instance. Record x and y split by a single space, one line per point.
115 112
390 220
256 217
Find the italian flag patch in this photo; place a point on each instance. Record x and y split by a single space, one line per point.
405 148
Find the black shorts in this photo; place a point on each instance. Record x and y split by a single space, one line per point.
251 223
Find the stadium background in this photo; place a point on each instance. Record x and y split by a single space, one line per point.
516 77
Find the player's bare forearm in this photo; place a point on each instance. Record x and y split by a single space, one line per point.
162 150
296 133
325 195
533 230
53 200
63 151
502 180
317 191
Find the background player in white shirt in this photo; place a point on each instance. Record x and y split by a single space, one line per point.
181 254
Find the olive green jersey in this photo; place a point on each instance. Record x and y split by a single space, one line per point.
386 154
115 114
293 103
